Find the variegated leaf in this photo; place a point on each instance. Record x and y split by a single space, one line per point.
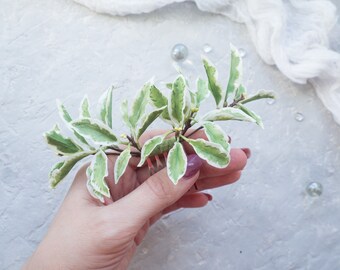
65 116
241 92
259 95
158 100
95 194
98 172
202 91
139 104
61 169
235 76
227 113
122 163
149 146
85 108
215 134
94 130
212 75
177 101
213 153
169 86
176 163
124 108
148 120
106 107
253 115
61 144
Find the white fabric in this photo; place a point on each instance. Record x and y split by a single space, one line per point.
293 35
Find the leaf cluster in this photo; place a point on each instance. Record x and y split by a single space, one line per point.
95 136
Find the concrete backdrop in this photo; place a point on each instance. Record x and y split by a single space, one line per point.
58 49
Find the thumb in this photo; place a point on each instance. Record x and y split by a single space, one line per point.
157 193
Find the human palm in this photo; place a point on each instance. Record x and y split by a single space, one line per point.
87 234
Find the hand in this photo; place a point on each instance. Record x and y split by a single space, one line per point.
87 234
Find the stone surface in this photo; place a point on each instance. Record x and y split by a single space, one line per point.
58 49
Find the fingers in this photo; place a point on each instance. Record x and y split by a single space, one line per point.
153 196
215 182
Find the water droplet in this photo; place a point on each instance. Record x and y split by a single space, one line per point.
314 189
207 48
145 250
242 52
299 117
270 101
179 52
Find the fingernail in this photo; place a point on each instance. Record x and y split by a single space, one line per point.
193 165
208 196
247 152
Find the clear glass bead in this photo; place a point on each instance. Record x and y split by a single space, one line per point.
299 117
179 52
314 189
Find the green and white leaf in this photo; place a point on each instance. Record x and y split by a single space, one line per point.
158 100
212 75
139 104
98 172
94 193
94 130
61 169
227 113
176 163
124 108
213 153
240 92
149 119
122 163
216 134
202 91
61 144
149 146
85 108
169 86
65 116
259 95
235 76
176 103
253 115
106 107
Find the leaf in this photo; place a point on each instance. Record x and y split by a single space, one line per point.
124 108
84 108
61 144
149 146
122 163
240 92
169 86
149 119
176 163
212 75
65 116
202 91
176 102
61 169
215 134
94 130
235 76
106 107
98 172
139 104
253 115
165 146
213 153
158 100
259 95
227 113
94 193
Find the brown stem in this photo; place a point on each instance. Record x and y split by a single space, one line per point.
192 133
133 143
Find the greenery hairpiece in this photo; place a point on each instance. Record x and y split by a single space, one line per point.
180 110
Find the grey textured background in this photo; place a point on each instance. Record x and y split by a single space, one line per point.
58 49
